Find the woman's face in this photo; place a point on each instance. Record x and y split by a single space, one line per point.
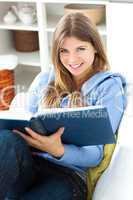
77 56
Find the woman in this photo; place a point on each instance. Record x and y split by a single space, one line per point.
81 78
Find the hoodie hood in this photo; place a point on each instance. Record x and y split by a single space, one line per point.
98 78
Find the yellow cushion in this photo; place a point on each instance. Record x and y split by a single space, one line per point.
94 173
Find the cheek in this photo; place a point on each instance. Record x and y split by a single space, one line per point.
90 59
62 60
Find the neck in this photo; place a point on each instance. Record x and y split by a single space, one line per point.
80 80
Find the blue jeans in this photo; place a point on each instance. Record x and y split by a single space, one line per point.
27 177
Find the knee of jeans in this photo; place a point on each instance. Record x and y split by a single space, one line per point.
9 140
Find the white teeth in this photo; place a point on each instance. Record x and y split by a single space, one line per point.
75 66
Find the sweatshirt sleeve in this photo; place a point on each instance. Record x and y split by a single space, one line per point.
36 91
83 157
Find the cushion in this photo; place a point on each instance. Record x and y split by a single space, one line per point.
117 180
94 173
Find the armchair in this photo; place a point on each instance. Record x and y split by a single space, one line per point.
116 181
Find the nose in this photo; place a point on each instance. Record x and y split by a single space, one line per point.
72 58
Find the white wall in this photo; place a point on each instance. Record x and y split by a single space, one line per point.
120 38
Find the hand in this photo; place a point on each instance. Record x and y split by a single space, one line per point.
51 144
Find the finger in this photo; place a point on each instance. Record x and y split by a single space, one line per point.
16 131
28 139
19 132
60 131
33 134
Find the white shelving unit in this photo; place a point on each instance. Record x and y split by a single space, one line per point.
6 39
48 14
18 26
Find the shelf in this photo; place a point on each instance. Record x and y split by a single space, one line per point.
103 2
18 26
32 1
53 20
26 58
62 1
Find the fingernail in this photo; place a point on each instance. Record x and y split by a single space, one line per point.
14 129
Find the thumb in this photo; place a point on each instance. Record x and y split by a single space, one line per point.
60 131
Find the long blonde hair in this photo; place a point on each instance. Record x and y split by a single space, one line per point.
79 26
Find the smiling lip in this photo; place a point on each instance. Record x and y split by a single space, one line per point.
76 66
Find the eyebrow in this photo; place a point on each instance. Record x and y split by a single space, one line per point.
76 47
82 46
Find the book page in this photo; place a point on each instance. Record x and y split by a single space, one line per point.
10 114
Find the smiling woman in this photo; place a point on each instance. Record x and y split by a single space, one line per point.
77 54
80 78
77 57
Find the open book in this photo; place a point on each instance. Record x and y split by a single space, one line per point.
83 126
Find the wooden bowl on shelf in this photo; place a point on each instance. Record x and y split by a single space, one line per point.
94 12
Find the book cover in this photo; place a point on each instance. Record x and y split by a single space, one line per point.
83 126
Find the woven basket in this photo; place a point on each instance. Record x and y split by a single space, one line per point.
7 91
94 12
26 41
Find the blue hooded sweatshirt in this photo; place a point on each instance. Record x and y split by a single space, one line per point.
104 88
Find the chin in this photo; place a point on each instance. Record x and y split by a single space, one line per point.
77 73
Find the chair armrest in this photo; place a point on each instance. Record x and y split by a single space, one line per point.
117 180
